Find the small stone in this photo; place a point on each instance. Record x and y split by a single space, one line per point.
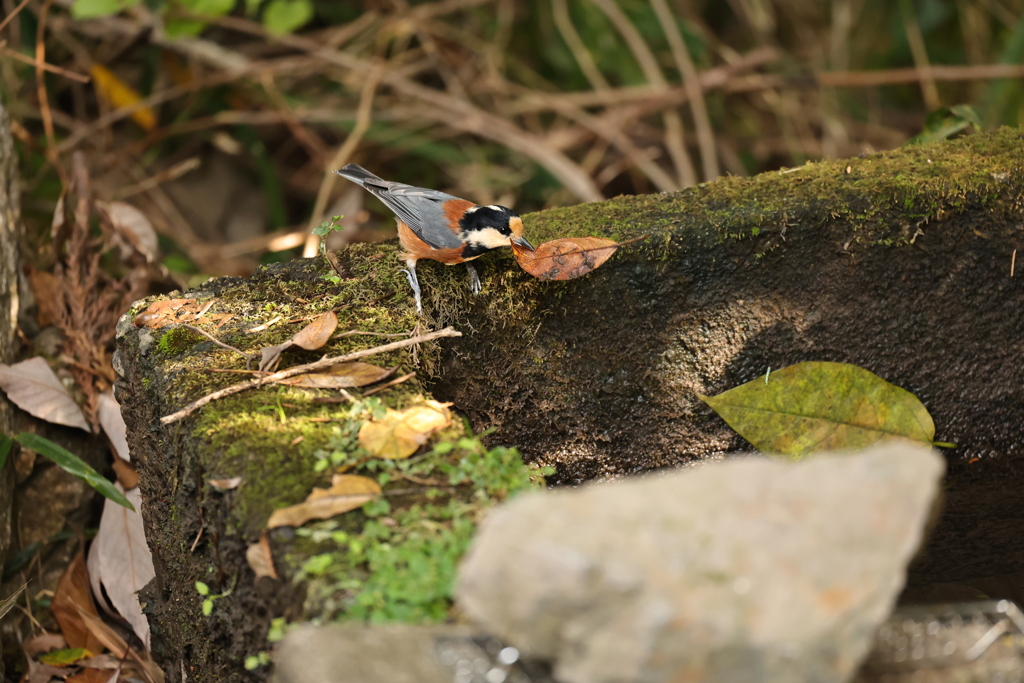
748 569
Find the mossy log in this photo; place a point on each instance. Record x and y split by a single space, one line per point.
899 262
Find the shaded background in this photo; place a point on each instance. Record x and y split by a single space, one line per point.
240 107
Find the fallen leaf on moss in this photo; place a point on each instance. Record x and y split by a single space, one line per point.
341 376
401 432
317 333
565 258
817 406
311 337
347 492
168 312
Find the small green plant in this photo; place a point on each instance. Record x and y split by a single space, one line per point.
186 18
209 598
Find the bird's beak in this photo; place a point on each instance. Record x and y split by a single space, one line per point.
521 241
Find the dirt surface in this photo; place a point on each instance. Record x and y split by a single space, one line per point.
899 262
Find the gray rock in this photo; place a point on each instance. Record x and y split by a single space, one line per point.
745 570
354 653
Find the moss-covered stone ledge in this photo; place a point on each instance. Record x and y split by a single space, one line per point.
899 262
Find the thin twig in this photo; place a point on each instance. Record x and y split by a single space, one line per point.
13 54
929 90
44 100
364 118
308 367
579 50
674 134
388 385
216 341
691 83
14 13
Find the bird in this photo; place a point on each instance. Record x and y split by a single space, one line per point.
439 226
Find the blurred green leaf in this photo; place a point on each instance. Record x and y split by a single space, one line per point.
284 16
89 9
210 8
818 406
946 122
72 464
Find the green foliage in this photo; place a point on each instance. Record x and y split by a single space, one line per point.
90 9
72 464
946 122
818 406
398 562
187 18
284 16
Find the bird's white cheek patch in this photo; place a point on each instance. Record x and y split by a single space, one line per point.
489 238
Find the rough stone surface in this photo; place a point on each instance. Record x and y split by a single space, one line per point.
744 570
396 653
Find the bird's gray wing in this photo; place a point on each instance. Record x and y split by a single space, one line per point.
418 207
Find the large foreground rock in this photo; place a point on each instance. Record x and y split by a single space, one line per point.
746 570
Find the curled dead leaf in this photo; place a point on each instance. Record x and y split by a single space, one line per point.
311 337
347 492
401 432
317 333
341 376
133 231
565 258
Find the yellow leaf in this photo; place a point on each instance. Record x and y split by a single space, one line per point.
347 492
401 433
119 94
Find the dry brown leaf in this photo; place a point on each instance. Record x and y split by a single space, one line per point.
44 642
225 484
167 312
120 561
132 230
400 433
42 673
33 387
70 600
317 333
127 477
347 492
260 558
341 376
566 258
311 337
150 671
113 425
44 288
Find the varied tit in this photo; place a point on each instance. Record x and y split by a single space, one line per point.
439 226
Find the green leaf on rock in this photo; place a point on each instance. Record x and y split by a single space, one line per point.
818 406
72 464
6 443
946 122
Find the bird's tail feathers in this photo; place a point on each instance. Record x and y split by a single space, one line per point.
358 174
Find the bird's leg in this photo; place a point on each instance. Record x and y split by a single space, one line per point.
410 275
474 279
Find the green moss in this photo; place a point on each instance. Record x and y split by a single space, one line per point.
395 559
178 340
